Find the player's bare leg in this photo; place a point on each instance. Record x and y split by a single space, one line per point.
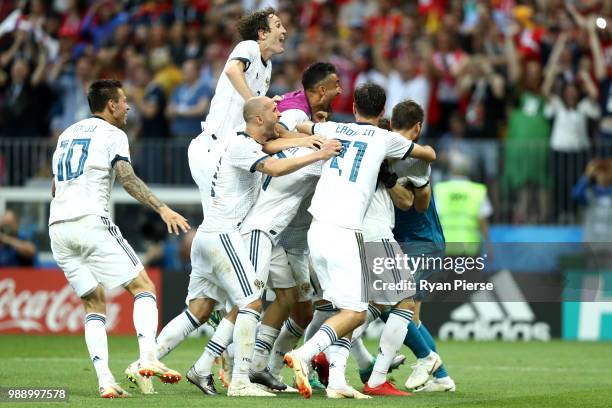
145 322
97 343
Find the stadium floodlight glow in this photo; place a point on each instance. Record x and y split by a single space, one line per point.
601 23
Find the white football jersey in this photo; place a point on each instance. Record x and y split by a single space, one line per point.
235 185
280 197
225 114
415 171
348 181
83 168
203 158
379 219
295 236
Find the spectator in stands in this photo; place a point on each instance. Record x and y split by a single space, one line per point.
24 103
167 75
16 249
526 155
570 137
448 62
482 91
176 36
101 20
404 78
70 83
453 142
150 101
189 103
20 113
594 190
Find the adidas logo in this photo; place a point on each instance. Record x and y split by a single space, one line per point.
502 315
96 358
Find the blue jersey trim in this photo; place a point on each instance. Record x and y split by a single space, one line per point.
257 162
117 158
408 152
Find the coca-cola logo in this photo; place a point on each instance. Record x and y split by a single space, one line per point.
47 310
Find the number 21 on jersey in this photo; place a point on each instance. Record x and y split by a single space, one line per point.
72 158
346 144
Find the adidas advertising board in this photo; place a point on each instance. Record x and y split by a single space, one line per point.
502 314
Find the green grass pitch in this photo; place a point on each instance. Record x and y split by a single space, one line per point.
490 374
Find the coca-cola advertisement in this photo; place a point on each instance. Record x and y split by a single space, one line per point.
40 301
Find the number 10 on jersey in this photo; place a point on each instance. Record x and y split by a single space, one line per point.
361 148
67 159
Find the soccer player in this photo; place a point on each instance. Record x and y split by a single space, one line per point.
339 204
247 73
420 227
221 269
88 246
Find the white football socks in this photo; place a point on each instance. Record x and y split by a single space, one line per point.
390 342
95 338
175 332
244 343
288 338
319 342
338 355
215 347
145 322
266 335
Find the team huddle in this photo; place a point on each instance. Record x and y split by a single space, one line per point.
292 206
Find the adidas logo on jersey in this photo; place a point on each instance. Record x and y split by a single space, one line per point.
505 315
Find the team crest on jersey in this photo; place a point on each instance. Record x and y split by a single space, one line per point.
259 284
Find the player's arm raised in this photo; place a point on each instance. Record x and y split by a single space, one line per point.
279 167
141 192
235 72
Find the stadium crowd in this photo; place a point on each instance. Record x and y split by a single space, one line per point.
522 88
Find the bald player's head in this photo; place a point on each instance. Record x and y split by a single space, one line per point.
261 113
256 106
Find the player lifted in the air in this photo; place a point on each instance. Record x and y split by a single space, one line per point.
86 243
247 73
338 207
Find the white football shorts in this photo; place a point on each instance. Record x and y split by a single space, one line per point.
91 251
338 258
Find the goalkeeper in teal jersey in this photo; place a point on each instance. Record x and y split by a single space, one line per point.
419 232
